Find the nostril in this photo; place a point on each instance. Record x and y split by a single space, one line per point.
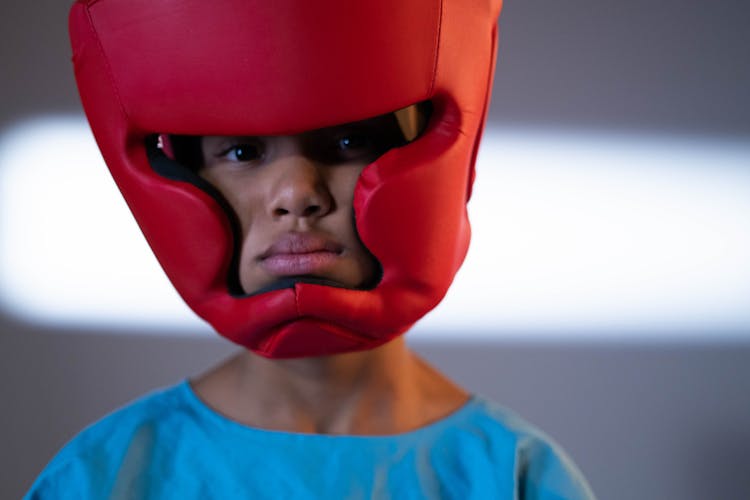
311 210
280 211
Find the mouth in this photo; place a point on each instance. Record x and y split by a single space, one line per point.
297 254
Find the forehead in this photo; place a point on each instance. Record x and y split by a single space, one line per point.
254 67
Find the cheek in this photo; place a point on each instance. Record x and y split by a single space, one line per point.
241 197
342 184
244 217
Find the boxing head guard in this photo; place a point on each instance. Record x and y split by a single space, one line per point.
259 68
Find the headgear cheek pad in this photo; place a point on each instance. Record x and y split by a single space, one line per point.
253 67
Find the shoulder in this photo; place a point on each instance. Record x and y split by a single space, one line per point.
543 470
91 459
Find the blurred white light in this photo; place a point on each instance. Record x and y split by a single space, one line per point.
575 235
70 252
596 235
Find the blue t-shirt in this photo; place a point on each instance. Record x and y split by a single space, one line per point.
171 445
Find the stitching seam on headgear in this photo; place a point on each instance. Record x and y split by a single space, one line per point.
110 74
437 49
483 119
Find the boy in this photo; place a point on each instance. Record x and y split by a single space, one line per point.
301 171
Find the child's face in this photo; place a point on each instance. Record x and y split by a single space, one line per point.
293 199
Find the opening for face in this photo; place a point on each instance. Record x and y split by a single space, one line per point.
290 198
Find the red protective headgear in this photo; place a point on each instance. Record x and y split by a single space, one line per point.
253 67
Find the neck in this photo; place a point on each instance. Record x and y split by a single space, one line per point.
332 380
381 391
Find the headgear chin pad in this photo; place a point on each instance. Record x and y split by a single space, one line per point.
252 68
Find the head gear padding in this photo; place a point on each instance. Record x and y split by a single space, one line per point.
253 67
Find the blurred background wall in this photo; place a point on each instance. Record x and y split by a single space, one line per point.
664 419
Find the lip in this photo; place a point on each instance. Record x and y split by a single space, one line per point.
300 253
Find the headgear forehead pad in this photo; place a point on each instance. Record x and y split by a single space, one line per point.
258 68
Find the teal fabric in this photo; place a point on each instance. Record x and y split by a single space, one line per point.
171 445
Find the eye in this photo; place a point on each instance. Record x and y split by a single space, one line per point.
355 145
354 142
244 152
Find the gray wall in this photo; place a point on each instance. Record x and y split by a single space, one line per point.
644 421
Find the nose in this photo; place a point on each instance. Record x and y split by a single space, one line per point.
300 189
